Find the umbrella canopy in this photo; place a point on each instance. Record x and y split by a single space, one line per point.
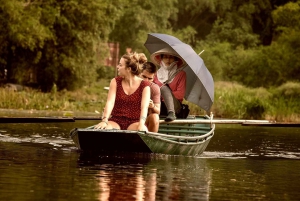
199 82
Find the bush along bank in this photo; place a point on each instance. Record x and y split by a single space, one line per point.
231 101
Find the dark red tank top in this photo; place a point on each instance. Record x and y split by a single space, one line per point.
128 106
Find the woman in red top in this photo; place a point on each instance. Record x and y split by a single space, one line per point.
128 97
172 81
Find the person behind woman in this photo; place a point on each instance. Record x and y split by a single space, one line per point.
128 96
148 72
172 82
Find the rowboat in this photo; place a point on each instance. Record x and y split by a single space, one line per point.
181 137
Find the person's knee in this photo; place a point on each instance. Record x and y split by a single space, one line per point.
113 125
153 117
132 127
164 89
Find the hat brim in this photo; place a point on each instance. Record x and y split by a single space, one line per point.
156 57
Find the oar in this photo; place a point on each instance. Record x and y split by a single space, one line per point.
243 122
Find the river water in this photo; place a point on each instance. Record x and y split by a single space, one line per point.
40 162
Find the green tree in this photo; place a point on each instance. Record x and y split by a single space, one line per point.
140 17
200 15
277 63
235 26
56 39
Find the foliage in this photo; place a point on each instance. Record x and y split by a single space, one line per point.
89 99
287 17
57 40
198 14
255 109
216 58
140 17
232 100
105 72
271 65
289 90
285 101
239 102
253 43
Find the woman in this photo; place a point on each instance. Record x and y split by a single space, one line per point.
128 96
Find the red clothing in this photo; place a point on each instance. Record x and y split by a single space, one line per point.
177 85
127 108
155 93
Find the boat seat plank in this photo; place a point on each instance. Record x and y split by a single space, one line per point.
181 131
184 127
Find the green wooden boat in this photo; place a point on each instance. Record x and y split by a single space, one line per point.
187 137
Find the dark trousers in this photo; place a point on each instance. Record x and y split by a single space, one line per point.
170 103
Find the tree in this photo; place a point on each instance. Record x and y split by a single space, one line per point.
275 64
140 17
57 39
200 15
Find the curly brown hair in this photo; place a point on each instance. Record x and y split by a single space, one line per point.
135 61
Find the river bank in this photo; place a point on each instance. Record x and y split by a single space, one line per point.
231 101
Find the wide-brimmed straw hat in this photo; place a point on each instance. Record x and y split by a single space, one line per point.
156 57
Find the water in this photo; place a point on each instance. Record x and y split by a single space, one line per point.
40 162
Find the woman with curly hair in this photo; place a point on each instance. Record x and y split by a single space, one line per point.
128 96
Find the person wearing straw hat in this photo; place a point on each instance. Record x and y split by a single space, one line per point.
171 79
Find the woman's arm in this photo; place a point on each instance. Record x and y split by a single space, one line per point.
111 97
109 104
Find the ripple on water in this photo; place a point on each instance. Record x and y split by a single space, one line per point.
233 155
54 141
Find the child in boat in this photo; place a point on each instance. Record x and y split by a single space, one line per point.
128 96
152 122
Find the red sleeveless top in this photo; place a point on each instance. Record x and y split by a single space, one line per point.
127 108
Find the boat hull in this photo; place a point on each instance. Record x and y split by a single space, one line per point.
174 148
174 139
109 140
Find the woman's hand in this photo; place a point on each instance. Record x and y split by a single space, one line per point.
101 125
142 127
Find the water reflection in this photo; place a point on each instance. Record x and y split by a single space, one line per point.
254 142
40 162
148 177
